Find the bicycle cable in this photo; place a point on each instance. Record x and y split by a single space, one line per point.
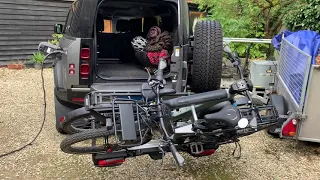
44 113
234 151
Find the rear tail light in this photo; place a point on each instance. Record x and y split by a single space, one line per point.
71 69
110 163
72 66
71 72
77 99
85 53
84 71
62 119
290 128
208 152
84 65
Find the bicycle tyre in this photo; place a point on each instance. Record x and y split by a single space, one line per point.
66 144
72 117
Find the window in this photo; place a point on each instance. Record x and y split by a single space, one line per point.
107 26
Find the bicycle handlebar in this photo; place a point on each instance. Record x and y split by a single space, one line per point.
221 94
159 75
161 66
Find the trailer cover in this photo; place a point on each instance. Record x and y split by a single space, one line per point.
306 40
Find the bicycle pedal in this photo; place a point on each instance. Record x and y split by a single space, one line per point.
196 148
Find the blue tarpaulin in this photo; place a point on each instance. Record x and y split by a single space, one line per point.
306 40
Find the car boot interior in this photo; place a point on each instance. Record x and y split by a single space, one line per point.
117 24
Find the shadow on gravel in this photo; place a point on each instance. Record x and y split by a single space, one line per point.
207 168
297 148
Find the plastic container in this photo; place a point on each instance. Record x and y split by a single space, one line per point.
262 73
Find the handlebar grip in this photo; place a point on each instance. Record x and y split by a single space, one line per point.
179 159
229 52
161 66
195 99
159 75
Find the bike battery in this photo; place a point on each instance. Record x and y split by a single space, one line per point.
128 128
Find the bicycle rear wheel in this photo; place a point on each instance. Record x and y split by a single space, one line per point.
81 120
85 139
105 141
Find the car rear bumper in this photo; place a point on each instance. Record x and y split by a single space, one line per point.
65 98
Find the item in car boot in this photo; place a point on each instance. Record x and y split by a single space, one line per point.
163 41
153 32
155 56
157 40
158 45
139 43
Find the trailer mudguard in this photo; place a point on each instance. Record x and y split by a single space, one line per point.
281 106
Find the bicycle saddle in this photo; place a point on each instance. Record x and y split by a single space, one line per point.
212 109
228 115
147 92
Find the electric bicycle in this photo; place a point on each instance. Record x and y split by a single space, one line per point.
153 126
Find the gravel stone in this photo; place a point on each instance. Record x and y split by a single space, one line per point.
21 109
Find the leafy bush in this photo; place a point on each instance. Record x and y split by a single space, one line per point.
56 39
306 16
37 57
249 19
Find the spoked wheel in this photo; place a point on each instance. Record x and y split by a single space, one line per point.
82 143
81 120
96 141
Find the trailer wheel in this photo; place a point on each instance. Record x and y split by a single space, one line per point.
207 56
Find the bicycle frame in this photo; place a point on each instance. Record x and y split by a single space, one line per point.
161 147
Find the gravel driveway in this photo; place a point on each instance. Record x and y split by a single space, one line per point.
21 116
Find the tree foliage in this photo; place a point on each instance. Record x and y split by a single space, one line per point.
249 19
306 16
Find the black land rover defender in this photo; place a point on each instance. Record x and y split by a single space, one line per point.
99 55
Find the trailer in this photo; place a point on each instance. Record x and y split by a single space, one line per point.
296 94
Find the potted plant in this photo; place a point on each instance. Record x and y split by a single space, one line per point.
37 58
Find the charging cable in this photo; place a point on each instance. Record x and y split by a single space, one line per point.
44 109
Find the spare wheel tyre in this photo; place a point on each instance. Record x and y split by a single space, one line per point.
207 56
